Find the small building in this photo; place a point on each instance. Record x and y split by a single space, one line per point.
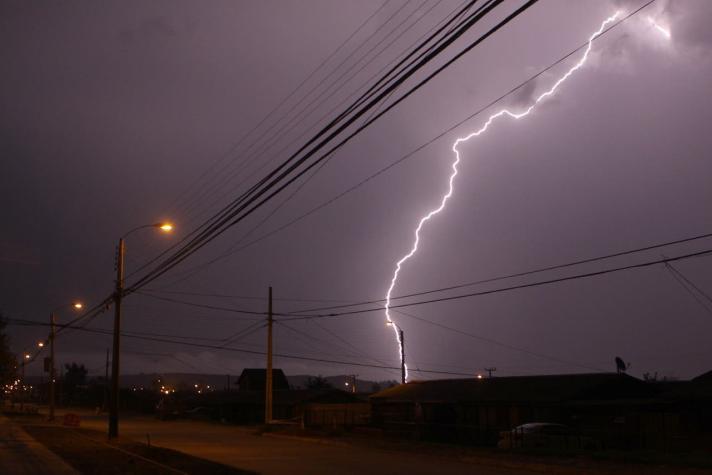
255 379
476 410
310 407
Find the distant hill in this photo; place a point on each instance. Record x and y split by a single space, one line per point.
220 381
299 381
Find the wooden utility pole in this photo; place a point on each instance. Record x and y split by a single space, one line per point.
402 348
105 405
114 396
490 371
268 380
51 366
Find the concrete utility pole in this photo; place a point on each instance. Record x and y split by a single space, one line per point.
402 339
52 375
115 355
114 395
268 380
490 371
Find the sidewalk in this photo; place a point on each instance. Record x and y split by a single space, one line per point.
21 454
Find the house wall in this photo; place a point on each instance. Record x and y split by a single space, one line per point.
336 415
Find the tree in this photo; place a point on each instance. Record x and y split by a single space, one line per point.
318 382
8 362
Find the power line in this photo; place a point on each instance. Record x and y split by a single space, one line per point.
210 307
300 101
184 195
517 274
419 148
242 350
496 342
235 212
514 287
690 282
682 281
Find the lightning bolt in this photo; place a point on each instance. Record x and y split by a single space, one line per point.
664 31
456 162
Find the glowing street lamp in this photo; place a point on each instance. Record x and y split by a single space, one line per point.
166 227
40 344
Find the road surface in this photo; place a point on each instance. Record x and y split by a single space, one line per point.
239 447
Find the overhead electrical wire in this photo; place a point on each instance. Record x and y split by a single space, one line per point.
240 209
313 89
186 194
513 287
243 350
209 225
518 274
627 252
413 152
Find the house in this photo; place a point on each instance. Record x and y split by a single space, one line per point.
310 407
476 410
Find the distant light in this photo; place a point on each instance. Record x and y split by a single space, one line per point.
27 357
167 227
479 376
40 344
78 305
346 384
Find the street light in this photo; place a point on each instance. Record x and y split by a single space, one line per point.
118 295
40 344
52 333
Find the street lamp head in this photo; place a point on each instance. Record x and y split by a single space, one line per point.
41 344
78 305
27 357
166 227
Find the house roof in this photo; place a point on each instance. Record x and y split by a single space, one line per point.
548 388
703 378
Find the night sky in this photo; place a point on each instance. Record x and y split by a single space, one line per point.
117 114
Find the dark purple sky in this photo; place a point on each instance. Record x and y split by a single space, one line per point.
112 110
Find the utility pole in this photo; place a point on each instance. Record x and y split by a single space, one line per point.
52 375
268 381
490 371
402 348
106 382
114 396
352 377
